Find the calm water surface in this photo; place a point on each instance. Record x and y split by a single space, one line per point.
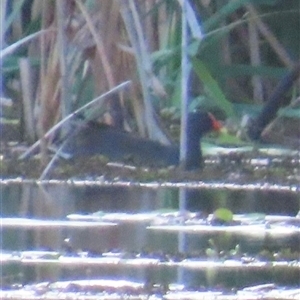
59 232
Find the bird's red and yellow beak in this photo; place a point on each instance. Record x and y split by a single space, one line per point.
216 125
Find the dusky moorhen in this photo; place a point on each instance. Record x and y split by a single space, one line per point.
118 145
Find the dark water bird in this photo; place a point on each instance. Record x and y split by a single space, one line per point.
118 145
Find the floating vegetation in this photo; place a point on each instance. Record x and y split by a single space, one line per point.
175 217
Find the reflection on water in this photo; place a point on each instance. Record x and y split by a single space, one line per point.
134 250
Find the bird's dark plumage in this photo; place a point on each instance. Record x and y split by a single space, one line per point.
119 145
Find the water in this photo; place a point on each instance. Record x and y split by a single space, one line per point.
112 240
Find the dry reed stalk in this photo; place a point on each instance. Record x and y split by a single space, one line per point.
27 98
64 63
57 126
99 44
270 37
255 59
3 8
11 48
65 120
48 105
50 90
102 28
16 25
227 58
135 32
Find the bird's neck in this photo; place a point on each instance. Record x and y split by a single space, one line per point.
193 153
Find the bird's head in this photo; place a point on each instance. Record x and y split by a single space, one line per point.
200 123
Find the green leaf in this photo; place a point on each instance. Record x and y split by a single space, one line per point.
212 87
290 112
226 138
223 214
222 13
